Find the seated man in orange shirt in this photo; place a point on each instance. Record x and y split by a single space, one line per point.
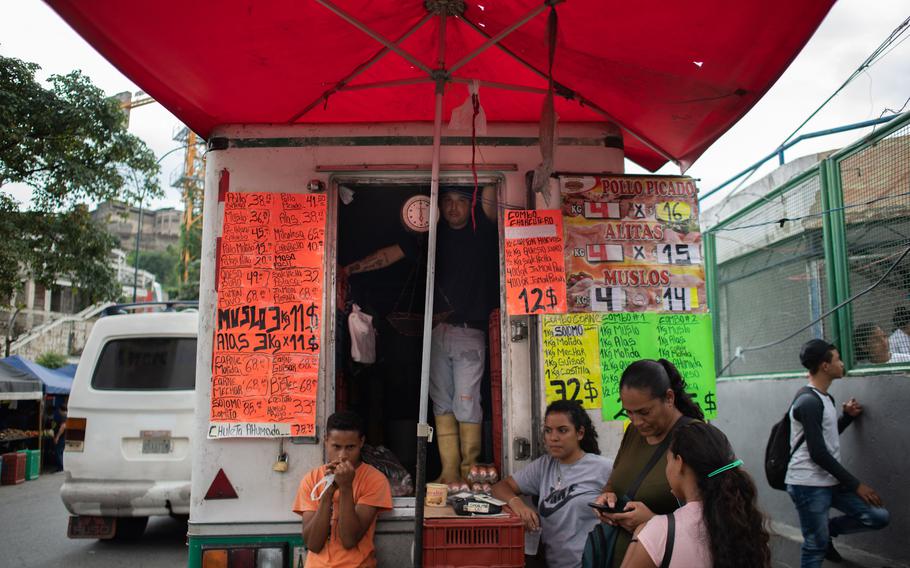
339 517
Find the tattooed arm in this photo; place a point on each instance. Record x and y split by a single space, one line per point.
380 259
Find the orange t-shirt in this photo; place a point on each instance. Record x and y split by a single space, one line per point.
370 488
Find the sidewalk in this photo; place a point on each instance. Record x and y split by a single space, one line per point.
785 544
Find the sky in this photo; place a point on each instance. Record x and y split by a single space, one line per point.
31 31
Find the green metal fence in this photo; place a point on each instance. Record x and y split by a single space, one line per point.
784 261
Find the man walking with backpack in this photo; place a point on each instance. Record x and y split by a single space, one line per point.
816 480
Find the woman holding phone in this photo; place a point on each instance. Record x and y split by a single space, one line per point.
719 524
655 400
565 480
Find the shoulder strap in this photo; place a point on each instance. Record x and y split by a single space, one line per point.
671 537
655 457
802 391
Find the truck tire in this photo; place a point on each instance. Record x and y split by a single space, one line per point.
130 528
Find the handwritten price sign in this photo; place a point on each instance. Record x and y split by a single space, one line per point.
535 267
571 359
268 324
537 300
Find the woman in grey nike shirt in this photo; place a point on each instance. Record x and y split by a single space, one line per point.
564 481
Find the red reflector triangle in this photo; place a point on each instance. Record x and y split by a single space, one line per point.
221 488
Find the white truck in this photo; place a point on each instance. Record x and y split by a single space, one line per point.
369 174
129 427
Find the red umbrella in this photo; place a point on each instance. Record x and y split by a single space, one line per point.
674 75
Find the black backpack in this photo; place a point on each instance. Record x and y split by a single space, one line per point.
778 452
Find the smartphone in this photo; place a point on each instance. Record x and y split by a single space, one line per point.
619 508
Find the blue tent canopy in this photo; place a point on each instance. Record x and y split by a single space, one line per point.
67 370
54 381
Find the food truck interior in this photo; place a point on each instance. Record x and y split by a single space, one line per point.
386 393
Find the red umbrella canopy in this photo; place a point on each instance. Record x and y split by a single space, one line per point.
674 75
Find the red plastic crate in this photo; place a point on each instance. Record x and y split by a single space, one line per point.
474 542
13 468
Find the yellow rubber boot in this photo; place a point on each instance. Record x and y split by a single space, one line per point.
447 440
470 446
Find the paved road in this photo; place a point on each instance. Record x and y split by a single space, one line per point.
33 534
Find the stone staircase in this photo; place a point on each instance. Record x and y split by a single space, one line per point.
66 334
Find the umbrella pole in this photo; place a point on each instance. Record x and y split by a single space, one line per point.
423 428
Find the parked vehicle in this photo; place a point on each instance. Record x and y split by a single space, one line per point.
128 433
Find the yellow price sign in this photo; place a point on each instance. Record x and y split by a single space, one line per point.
572 358
673 211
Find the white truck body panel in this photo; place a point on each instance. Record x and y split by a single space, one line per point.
265 496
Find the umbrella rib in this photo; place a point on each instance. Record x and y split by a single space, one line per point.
494 40
497 85
366 29
340 85
505 49
575 94
392 83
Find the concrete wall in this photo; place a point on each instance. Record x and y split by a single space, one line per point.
875 448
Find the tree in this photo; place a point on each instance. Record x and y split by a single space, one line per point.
190 290
69 143
51 359
162 263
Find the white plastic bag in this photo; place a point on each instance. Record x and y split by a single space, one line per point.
463 116
363 336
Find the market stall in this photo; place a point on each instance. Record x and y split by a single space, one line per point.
21 417
625 81
56 383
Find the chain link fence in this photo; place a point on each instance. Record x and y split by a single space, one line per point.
875 185
829 233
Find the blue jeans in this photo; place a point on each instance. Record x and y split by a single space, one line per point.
813 504
456 367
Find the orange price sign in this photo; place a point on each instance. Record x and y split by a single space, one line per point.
268 325
535 267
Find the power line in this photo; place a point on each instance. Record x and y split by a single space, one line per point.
784 220
741 350
887 46
873 58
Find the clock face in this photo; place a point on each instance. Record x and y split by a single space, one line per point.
415 213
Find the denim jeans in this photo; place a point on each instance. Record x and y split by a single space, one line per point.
456 367
813 504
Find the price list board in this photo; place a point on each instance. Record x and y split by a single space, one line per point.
535 271
269 316
571 358
686 340
632 244
581 349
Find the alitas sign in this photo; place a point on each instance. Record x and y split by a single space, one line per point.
632 244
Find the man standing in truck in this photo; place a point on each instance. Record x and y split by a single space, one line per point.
339 501
465 275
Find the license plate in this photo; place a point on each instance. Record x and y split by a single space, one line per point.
156 442
91 527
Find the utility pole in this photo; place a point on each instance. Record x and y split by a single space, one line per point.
191 185
138 238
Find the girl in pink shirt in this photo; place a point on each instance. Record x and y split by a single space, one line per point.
719 525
